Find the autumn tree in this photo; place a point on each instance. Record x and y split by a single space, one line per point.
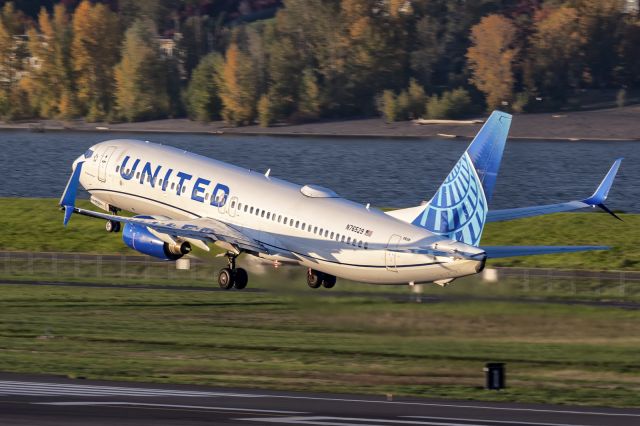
141 75
13 98
491 59
51 83
202 97
555 52
95 52
238 87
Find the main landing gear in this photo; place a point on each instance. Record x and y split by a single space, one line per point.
315 279
231 276
112 226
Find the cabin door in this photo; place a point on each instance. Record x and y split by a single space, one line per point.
104 161
390 253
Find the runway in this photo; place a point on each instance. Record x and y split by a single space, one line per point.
47 400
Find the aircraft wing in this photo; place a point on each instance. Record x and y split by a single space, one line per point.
495 252
596 200
204 229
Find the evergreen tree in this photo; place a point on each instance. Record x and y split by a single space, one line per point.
202 96
141 75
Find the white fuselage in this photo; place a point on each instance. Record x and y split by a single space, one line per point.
310 226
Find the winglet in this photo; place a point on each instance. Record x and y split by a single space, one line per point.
599 197
68 199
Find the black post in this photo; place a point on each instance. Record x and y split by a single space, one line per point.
495 375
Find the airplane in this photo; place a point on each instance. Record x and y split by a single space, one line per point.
181 199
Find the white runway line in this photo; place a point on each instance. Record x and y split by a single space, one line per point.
352 421
58 389
491 421
143 404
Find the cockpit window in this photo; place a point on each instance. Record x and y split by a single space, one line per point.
88 154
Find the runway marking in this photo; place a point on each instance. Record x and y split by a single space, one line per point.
349 421
493 421
144 404
58 389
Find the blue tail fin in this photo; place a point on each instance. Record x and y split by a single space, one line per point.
459 209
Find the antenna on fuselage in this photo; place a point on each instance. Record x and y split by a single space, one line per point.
267 172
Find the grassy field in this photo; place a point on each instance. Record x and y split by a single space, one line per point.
293 338
36 225
554 353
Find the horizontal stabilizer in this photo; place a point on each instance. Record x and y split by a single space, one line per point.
596 200
495 252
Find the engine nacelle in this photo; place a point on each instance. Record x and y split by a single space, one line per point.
139 238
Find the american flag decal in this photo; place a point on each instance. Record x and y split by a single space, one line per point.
368 233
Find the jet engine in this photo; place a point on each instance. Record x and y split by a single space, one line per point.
139 238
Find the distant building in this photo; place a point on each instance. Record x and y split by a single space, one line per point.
631 6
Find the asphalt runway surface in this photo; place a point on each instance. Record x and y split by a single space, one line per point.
50 400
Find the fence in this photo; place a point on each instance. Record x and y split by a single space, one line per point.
118 269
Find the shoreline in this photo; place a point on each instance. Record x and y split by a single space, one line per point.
615 125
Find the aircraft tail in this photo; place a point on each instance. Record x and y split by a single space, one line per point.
459 208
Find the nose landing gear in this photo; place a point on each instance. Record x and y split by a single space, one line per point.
231 276
316 279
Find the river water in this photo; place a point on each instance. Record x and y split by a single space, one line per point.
383 172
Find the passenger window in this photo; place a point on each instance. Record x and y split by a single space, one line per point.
349 240
117 168
148 178
251 210
331 235
291 222
360 243
160 182
184 188
320 232
268 215
173 185
128 171
138 175
279 218
342 239
315 229
233 204
326 233
273 217
366 246
304 226
297 223
206 196
262 215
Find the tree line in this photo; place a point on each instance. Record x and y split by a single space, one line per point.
315 59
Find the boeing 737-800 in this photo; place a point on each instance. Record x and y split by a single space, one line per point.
181 200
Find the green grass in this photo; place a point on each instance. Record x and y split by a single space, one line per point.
36 225
554 353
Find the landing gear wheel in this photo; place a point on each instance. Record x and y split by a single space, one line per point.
241 279
328 281
225 278
112 226
314 278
